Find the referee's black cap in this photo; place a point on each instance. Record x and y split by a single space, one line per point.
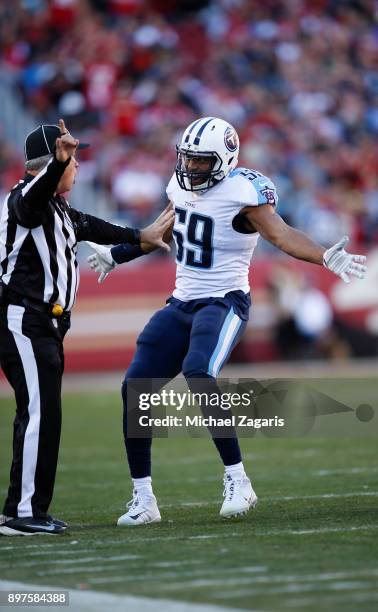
41 141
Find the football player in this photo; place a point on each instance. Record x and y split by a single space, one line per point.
220 212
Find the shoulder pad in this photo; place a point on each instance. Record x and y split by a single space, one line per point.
264 189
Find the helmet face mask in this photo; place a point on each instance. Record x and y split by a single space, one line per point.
209 139
197 179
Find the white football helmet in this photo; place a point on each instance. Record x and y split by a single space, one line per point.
210 138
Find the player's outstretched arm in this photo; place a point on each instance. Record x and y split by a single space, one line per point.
273 228
105 259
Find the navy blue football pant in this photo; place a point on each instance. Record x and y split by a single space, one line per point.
198 344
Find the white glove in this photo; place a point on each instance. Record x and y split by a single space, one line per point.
342 263
101 260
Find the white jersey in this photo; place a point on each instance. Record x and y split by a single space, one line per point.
213 258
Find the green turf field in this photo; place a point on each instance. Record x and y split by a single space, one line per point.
310 544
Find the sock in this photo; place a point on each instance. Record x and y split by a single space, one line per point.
236 470
143 485
228 449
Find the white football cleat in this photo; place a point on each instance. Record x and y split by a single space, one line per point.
141 510
238 495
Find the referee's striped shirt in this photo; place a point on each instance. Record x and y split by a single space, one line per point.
39 233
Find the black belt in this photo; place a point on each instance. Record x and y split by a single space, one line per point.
11 297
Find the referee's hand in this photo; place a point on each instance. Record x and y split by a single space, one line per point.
152 237
66 145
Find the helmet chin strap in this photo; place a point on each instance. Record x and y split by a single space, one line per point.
205 185
200 187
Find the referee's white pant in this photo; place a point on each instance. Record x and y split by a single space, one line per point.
31 356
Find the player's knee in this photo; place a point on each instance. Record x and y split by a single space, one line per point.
136 371
195 365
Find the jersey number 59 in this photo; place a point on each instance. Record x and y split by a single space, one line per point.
197 230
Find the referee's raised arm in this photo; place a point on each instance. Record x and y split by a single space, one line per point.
48 152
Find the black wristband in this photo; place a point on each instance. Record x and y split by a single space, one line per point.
126 252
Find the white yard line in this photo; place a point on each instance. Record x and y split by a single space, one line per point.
176 563
38 553
330 599
353 470
265 498
59 562
317 577
26 545
258 533
323 496
286 583
165 578
85 569
297 588
267 590
280 498
335 529
161 576
92 601
275 532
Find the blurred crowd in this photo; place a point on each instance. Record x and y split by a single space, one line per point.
297 79
305 324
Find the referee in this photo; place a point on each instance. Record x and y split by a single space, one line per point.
39 277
